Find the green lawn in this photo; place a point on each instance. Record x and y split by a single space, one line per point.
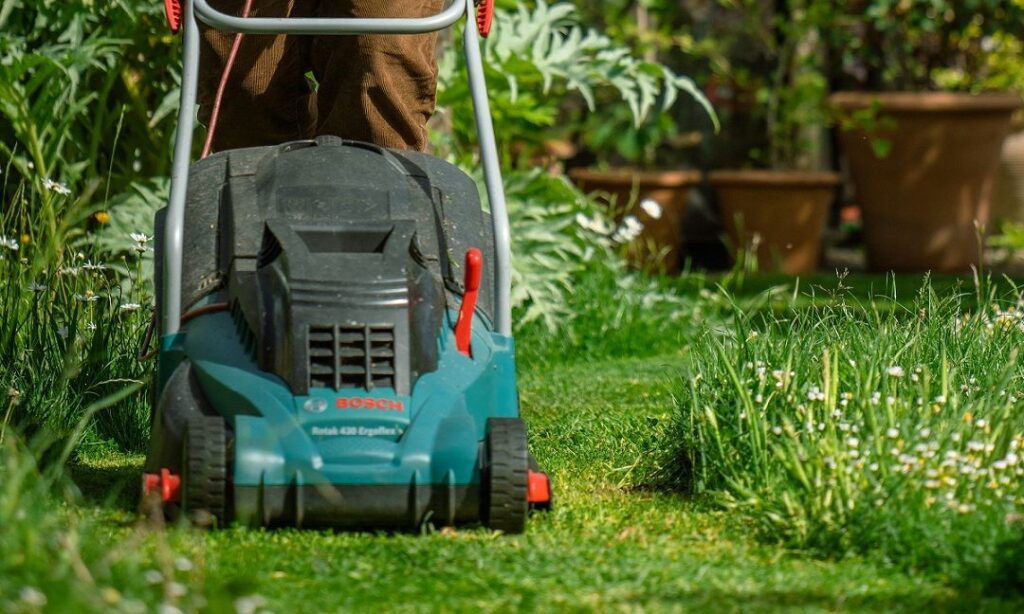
608 545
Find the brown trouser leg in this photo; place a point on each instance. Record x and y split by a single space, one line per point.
376 88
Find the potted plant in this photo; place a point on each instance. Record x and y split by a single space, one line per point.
778 212
921 128
1007 61
626 174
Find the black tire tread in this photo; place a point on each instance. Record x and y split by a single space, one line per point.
206 467
507 464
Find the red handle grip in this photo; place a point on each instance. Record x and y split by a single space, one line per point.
464 325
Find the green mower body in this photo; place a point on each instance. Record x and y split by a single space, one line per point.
336 363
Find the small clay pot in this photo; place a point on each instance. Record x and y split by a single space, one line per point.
781 214
921 201
662 236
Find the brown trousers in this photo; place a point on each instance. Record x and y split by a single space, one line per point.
375 88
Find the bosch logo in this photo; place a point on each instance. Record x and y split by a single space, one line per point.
369 403
315 406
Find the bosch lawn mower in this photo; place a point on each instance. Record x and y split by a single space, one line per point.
335 328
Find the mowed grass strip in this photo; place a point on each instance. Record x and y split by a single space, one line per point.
608 545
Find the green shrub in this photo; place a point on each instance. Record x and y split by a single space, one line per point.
846 429
69 336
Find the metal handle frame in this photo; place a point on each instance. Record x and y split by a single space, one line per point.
200 10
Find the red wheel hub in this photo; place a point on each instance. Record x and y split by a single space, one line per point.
538 488
165 483
484 16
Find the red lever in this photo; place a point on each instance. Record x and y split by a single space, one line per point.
484 17
172 11
170 486
464 325
166 483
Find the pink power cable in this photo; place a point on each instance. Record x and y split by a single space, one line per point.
215 113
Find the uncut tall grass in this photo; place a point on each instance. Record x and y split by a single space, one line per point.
878 428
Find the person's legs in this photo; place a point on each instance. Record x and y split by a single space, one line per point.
376 88
267 98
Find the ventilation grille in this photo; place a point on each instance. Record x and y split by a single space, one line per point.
351 357
242 327
269 250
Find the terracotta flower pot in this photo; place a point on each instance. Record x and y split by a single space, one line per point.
1008 201
782 213
630 189
920 202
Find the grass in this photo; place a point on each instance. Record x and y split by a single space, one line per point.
852 429
608 545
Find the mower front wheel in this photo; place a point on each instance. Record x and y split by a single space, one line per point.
204 475
506 466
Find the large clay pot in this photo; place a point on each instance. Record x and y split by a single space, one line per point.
1008 200
782 213
921 201
661 236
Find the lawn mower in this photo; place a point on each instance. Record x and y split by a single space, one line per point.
335 338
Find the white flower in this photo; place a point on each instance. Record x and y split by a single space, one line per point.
651 208
852 442
88 297
11 244
153 577
89 265
892 433
36 287
249 605
32 596
632 223
182 564
895 371
63 332
141 237
129 307
176 589
941 399
90 326
69 270
59 188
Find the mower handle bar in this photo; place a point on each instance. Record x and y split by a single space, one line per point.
329 25
196 10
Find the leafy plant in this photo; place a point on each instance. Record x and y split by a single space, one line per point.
535 57
792 98
86 93
920 45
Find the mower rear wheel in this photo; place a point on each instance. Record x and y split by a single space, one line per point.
204 475
505 475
